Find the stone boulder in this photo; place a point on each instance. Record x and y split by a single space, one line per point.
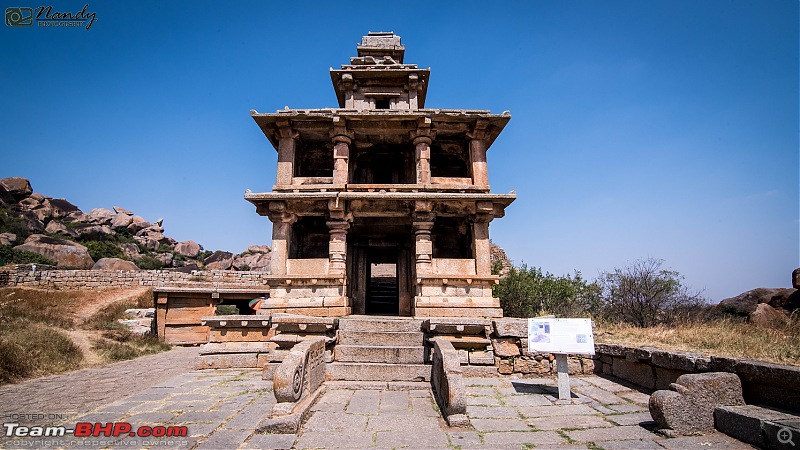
101 216
66 254
130 250
18 187
7 238
688 407
56 227
745 303
112 264
190 249
254 262
138 223
263 249
165 258
219 260
766 316
63 208
93 232
121 210
121 221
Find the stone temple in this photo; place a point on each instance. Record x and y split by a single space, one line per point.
381 206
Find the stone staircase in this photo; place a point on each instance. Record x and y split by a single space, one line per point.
379 349
383 295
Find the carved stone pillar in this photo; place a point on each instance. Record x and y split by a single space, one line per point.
422 139
347 86
477 154
483 250
423 247
337 250
281 233
341 150
413 85
286 146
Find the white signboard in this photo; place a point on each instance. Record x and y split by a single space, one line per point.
550 335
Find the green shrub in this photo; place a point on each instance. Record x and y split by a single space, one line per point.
528 292
103 249
148 263
11 224
8 255
227 310
132 346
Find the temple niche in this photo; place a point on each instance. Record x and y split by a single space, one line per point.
381 206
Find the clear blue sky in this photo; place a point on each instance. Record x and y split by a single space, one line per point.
664 129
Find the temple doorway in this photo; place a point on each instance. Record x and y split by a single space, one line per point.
379 268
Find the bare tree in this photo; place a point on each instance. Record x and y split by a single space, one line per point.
645 293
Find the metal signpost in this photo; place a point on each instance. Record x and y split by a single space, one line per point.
561 337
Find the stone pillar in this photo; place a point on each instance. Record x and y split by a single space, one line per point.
337 250
483 251
281 233
477 154
286 146
341 150
413 85
423 247
422 139
347 86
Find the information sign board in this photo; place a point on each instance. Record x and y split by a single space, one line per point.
551 335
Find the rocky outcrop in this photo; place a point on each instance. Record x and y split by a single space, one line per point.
498 256
114 264
135 238
66 254
219 260
786 299
796 278
17 187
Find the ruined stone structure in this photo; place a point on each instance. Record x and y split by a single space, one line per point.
381 206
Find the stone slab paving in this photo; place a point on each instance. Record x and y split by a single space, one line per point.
220 409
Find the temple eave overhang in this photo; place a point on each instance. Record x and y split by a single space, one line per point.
382 203
314 124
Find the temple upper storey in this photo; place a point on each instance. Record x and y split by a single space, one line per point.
378 79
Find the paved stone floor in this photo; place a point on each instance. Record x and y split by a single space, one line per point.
221 408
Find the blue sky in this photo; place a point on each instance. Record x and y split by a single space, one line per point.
664 129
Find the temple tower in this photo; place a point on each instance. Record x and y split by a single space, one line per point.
381 206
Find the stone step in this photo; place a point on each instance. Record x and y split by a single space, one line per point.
375 354
380 385
346 371
382 338
379 324
758 426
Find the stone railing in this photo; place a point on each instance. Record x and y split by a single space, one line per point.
763 383
448 385
24 275
296 384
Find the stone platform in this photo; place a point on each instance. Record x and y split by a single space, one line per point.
221 407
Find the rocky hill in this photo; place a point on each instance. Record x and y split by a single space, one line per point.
38 229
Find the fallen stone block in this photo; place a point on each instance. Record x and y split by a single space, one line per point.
688 407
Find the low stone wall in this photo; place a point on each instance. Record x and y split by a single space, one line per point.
99 279
763 383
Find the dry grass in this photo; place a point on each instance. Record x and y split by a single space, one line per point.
717 337
36 327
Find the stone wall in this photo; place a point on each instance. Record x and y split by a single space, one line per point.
763 383
24 275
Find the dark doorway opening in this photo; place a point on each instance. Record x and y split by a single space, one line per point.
382 292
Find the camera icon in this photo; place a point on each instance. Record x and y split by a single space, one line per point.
19 17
